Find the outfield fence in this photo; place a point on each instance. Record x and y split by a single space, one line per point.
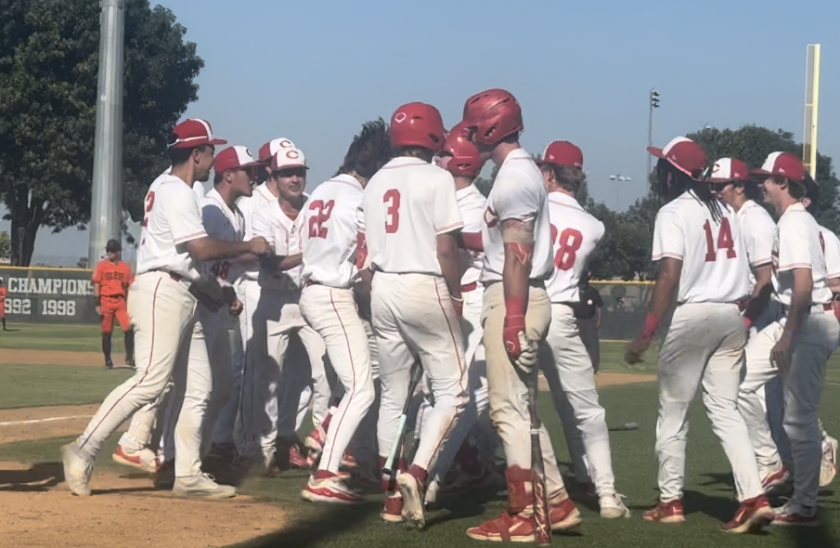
65 295
49 295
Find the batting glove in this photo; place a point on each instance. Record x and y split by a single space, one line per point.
521 351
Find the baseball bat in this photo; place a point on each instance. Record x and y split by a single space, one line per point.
542 523
393 455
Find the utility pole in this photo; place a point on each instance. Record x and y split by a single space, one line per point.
106 199
654 103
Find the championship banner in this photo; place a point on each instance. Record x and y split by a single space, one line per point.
49 295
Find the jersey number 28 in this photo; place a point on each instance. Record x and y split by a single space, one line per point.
320 214
569 242
724 241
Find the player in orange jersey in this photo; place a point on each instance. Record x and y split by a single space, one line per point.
111 279
3 304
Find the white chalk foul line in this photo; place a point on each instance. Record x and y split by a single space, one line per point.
48 419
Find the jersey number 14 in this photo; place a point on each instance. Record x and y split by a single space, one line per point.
724 241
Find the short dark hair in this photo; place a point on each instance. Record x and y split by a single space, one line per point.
796 189
217 177
179 156
113 246
568 178
425 154
369 151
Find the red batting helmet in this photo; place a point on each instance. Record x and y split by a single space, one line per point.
465 160
417 124
494 114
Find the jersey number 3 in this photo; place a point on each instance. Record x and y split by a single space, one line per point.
724 241
321 214
569 242
392 221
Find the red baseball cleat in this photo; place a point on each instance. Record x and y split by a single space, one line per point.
666 512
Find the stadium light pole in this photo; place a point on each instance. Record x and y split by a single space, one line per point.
106 193
654 103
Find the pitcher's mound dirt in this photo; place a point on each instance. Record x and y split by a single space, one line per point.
123 511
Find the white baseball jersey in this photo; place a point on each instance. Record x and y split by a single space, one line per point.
757 228
283 233
198 188
518 194
247 205
407 204
575 235
172 218
831 249
222 223
332 218
796 244
714 262
471 204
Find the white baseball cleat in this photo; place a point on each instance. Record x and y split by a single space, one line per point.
330 490
828 465
77 470
203 485
612 507
413 511
144 459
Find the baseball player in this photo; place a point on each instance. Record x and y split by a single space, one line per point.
704 268
209 379
575 235
332 256
773 457
280 222
252 329
461 159
730 180
798 346
111 279
410 220
3 304
162 302
516 311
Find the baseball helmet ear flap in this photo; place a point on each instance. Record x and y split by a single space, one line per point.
493 115
465 160
417 124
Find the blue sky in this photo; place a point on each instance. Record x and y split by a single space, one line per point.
315 71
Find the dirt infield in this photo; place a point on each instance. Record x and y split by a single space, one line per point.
123 511
36 423
54 357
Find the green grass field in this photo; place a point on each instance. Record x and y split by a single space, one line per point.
708 495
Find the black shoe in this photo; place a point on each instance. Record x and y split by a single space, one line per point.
130 362
109 364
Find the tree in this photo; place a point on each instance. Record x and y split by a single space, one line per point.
5 245
49 62
752 144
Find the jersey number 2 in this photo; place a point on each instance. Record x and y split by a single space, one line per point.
392 221
724 241
321 214
569 241
150 202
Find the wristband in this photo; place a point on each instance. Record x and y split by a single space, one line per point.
651 325
515 306
747 322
